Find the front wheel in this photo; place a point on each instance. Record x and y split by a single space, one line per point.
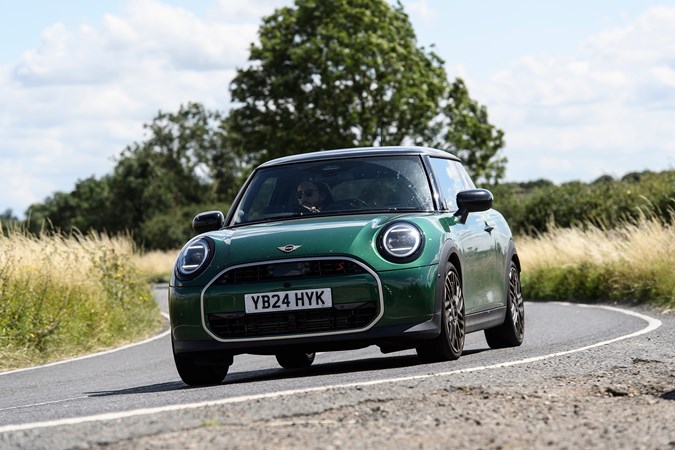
201 370
449 344
512 331
295 360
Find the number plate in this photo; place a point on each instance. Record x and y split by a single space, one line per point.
288 300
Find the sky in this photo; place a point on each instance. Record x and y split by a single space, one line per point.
581 89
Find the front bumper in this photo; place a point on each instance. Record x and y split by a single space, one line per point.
368 308
387 337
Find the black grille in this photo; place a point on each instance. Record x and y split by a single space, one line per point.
290 270
340 317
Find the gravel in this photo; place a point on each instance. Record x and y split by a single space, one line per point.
624 407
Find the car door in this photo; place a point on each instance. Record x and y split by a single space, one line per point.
476 244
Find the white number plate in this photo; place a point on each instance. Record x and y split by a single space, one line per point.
288 300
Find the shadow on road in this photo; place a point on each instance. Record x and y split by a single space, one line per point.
150 389
333 368
255 376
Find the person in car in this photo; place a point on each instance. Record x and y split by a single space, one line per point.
313 196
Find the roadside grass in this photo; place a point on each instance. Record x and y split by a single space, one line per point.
156 266
62 296
633 262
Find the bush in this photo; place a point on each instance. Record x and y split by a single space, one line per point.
633 262
172 229
66 295
534 207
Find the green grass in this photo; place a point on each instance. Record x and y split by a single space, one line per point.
62 296
632 263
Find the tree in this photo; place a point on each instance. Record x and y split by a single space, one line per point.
82 209
331 74
184 161
342 73
463 129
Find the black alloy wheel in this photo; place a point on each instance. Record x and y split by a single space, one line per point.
512 331
200 370
449 345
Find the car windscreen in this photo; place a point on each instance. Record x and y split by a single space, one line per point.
333 187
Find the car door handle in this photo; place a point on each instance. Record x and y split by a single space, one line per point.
489 227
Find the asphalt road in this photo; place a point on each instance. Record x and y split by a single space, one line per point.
143 377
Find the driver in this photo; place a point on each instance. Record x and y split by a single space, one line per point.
312 196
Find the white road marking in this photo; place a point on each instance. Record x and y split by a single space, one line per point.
44 403
93 355
652 324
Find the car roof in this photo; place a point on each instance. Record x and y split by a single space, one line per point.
359 152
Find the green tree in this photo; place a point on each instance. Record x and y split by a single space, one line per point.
464 130
331 74
184 161
83 208
342 73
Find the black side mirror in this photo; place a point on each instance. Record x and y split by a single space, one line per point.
473 200
208 221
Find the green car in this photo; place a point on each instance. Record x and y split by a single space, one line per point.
343 249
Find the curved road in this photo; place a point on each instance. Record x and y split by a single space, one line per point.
143 376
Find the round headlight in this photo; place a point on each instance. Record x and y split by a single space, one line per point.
193 257
401 242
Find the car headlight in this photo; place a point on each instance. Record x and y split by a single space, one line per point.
401 242
194 258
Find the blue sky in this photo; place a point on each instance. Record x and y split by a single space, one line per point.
581 89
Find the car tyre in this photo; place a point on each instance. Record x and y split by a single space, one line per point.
295 360
449 344
512 331
200 371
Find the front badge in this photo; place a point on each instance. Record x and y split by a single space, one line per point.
289 248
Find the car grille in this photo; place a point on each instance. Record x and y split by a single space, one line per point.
290 270
340 317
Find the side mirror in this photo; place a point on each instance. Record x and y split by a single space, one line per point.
208 221
473 200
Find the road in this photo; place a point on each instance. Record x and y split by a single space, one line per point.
141 380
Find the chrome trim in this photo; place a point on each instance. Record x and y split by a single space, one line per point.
289 248
293 336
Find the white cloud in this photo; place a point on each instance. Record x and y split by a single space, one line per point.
608 111
72 104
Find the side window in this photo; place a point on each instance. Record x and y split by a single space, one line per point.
468 182
452 178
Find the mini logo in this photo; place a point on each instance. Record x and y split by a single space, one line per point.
289 248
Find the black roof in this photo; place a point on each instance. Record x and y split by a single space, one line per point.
359 152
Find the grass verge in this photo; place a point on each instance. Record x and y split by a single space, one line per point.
156 266
634 262
62 296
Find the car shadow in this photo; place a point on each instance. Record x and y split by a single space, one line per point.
255 376
149 389
331 368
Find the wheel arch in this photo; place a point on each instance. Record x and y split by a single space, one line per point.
449 254
511 255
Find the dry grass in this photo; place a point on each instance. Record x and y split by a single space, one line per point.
634 262
156 266
65 295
